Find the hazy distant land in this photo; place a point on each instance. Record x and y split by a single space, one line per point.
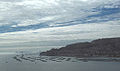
107 47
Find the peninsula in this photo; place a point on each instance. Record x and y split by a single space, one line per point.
106 47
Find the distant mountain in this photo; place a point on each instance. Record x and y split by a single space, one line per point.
107 47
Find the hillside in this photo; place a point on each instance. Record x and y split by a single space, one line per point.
107 47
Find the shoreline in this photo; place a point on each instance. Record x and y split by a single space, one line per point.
35 58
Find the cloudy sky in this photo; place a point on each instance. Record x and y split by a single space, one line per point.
33 24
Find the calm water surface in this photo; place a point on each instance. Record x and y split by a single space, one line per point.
7 63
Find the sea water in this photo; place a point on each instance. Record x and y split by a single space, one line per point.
8 63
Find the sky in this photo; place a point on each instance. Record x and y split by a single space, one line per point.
37 24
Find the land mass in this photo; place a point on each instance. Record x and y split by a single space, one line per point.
106 47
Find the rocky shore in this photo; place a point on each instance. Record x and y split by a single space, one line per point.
107 47
37 59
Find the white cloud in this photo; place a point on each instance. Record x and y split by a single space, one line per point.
52 12
76 32
14 10
28 22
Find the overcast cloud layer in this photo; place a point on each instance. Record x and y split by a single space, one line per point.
35 23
